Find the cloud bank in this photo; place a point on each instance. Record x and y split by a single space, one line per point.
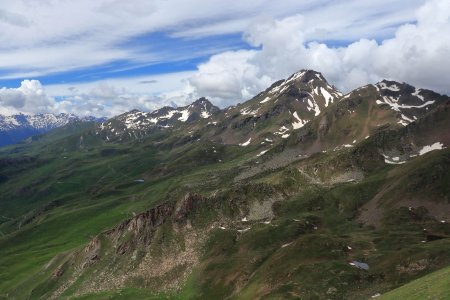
104 98
47 37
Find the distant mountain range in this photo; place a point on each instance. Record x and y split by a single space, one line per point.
16 128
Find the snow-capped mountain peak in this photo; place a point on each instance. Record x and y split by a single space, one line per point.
43 121
15 128
135 123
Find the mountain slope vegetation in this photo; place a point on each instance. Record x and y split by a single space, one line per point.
300 192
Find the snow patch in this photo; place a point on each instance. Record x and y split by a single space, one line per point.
285 245
265 100
282 131
205 114
248 111
392 161
295 77
262 153
184 115
416 94
327 96
300 123
375 295
346 96
429 148
246 143
406 118
313 106
279 89
393 87
169 115
393 103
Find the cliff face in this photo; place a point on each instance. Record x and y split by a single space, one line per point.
158 243
140 229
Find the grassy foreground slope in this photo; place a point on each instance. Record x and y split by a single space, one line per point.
432 286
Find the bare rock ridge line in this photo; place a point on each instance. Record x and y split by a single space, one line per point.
125 239
276 113
143 225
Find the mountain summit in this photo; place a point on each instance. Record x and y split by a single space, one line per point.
137 124
273 114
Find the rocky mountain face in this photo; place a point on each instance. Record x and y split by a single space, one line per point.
299 192
15 128
136 124
363 112
281 110
407 102
285 106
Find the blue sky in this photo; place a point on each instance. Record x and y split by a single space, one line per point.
177 55
108 56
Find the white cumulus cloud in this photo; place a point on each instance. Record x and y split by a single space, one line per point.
103 98
29 97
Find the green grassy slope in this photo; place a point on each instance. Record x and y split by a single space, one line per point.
73 196
433 286
273 260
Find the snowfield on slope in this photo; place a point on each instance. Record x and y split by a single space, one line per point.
429 148
245 144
